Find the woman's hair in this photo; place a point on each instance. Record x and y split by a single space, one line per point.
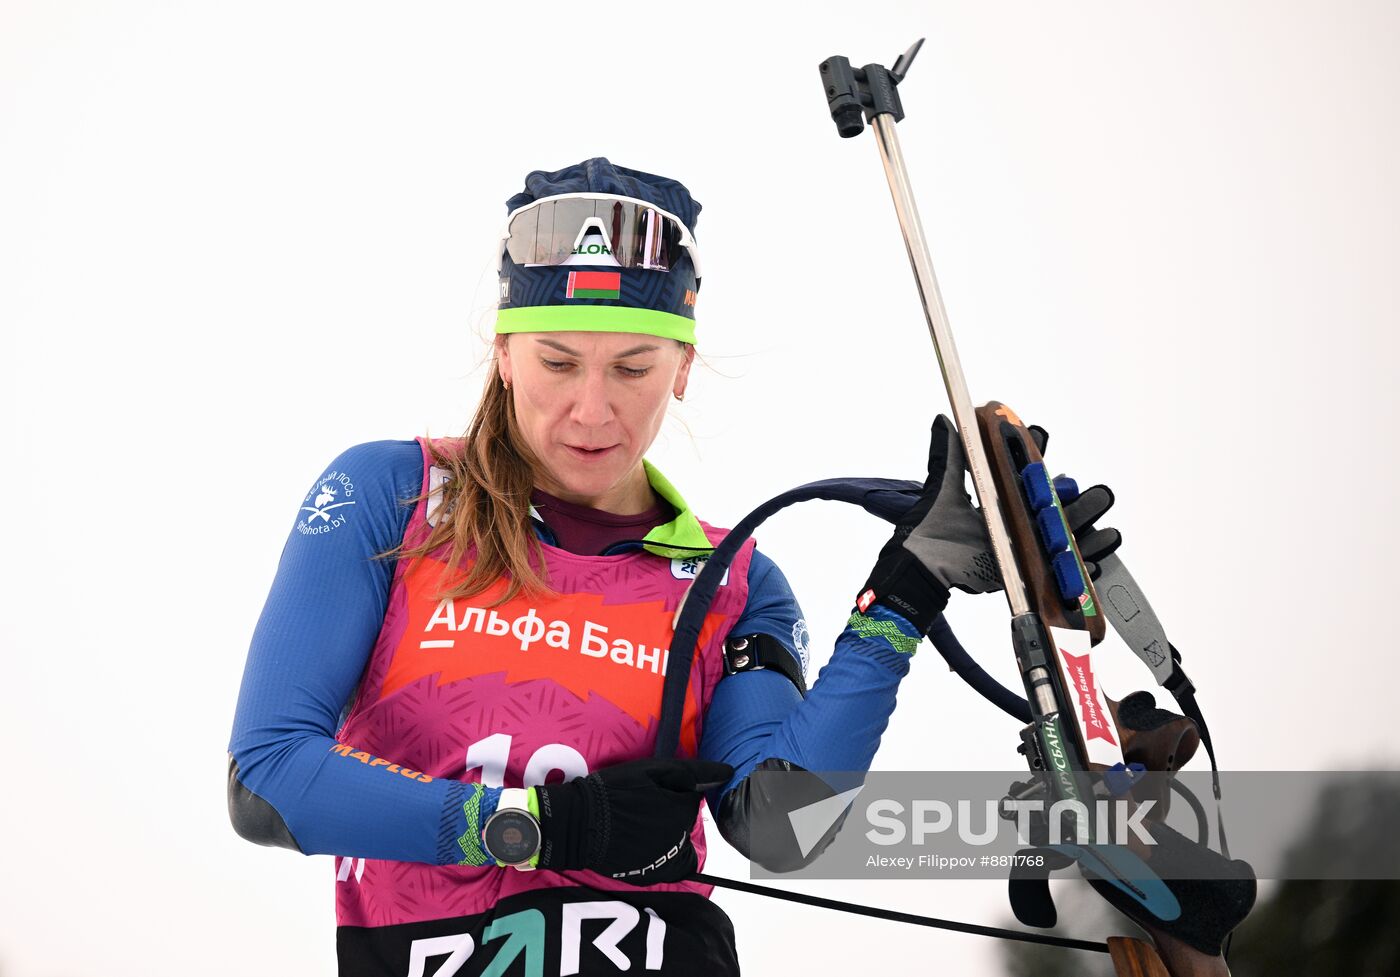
486 502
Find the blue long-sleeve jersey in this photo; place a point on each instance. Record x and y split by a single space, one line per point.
319 625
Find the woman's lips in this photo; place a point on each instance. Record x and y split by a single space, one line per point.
591 455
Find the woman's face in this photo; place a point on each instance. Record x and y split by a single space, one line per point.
589 405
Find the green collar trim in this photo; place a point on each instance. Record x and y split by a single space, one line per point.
682 536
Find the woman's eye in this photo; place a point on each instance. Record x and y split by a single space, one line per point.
561 366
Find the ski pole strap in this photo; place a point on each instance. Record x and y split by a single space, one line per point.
898 917
888 498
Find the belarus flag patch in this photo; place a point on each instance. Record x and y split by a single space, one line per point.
594 285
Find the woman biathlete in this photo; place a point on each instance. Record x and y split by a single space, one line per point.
456 681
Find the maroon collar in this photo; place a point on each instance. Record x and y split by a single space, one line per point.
589 532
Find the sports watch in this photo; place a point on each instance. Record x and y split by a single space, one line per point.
512 834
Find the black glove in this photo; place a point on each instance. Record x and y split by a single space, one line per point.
940 543
631 821
1081 514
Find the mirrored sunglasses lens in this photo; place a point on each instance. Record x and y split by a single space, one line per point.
637 237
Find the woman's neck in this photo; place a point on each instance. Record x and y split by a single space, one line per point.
631 496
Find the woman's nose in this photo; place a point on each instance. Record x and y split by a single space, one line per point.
592 408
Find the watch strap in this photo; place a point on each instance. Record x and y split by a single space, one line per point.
515 799
533 804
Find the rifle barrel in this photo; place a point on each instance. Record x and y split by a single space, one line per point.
942 335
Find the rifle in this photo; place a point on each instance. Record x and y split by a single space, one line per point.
1077 741
1074 731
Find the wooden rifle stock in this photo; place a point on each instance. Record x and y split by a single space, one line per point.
1163 748
1181 959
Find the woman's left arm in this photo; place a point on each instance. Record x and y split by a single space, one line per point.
755 723
759 720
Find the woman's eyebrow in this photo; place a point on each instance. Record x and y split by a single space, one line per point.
644 348
559 346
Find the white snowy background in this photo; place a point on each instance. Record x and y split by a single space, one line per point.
237 238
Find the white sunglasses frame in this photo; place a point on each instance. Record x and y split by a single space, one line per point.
687 239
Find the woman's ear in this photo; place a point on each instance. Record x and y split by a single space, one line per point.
683 372
503 364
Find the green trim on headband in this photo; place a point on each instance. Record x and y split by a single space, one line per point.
595 318
682 536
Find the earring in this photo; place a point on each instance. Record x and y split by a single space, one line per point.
680 396
505 384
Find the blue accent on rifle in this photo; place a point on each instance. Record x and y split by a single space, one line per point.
1067 575
1120 779
1052 530
1066 488
1127 873
1037 486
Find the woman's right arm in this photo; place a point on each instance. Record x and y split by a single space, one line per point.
291 784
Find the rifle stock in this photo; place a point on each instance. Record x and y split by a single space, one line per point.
1009 448
1161 746
1181 959
1134 958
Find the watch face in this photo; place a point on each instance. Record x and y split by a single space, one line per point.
511 837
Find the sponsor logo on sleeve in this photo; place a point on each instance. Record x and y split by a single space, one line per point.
801 641
325 505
